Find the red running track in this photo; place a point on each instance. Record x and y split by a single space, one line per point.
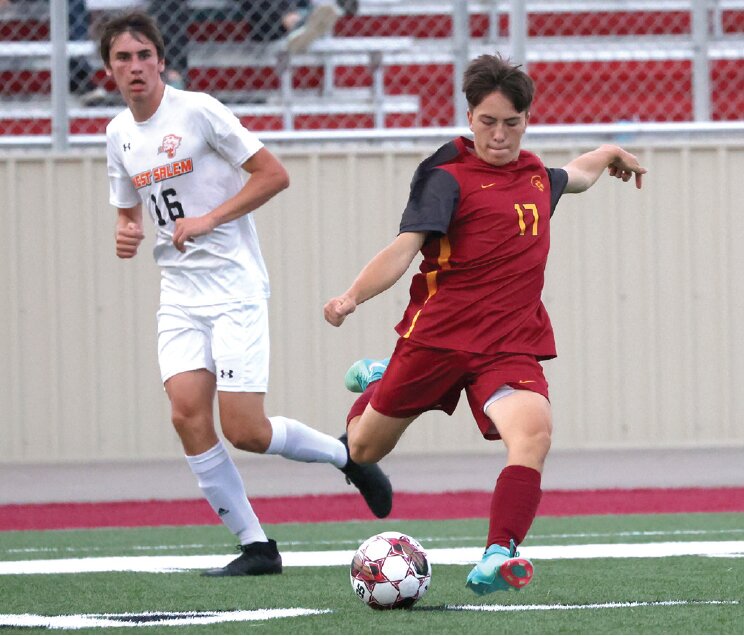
451 505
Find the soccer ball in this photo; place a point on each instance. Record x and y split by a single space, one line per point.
390 570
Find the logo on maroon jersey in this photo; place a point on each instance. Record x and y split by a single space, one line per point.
170 145
536 182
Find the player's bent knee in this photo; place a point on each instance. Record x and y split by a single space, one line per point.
530 450
364 453
251 432
247 440
537 437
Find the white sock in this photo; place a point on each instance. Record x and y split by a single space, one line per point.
223 488
295 440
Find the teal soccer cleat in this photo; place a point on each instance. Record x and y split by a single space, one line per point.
500 570
363 372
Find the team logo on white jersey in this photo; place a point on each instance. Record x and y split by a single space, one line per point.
170 145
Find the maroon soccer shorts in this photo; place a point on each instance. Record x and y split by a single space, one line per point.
421 378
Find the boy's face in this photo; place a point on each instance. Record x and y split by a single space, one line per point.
497 129
135 67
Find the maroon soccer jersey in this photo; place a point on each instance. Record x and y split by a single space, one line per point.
480 284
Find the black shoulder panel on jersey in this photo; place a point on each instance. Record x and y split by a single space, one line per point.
432 192
442 155
431 205
558 180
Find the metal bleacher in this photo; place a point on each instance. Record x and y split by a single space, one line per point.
386 34
283 105
328 53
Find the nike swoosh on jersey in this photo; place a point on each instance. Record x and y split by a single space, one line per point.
487 185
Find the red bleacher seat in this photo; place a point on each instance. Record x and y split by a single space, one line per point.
599 89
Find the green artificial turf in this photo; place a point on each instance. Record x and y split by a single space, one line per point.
569 591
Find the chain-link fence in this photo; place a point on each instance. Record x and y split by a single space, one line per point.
360 64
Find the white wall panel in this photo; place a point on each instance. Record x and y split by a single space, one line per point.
644 289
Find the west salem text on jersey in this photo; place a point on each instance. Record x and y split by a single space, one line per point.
183 162
161 173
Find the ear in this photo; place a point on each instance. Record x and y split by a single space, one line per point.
161 64
107 68
470 118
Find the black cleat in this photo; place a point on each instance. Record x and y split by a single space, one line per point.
372 483
256 558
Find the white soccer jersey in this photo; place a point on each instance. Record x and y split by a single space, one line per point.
185 161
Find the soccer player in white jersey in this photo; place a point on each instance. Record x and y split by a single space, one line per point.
184 158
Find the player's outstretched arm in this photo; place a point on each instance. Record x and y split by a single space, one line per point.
129 232
584 171
381 273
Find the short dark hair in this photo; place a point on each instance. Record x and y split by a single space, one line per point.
138 23
487 74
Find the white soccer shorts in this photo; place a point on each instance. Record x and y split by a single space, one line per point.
231 340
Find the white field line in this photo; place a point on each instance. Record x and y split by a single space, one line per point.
561 606
152 618
85 621
443 556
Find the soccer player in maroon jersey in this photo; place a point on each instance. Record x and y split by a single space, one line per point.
479 212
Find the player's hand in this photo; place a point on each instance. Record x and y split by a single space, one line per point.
625 166
128 239
336 309
188 229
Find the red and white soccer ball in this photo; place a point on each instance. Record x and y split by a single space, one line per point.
390 570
